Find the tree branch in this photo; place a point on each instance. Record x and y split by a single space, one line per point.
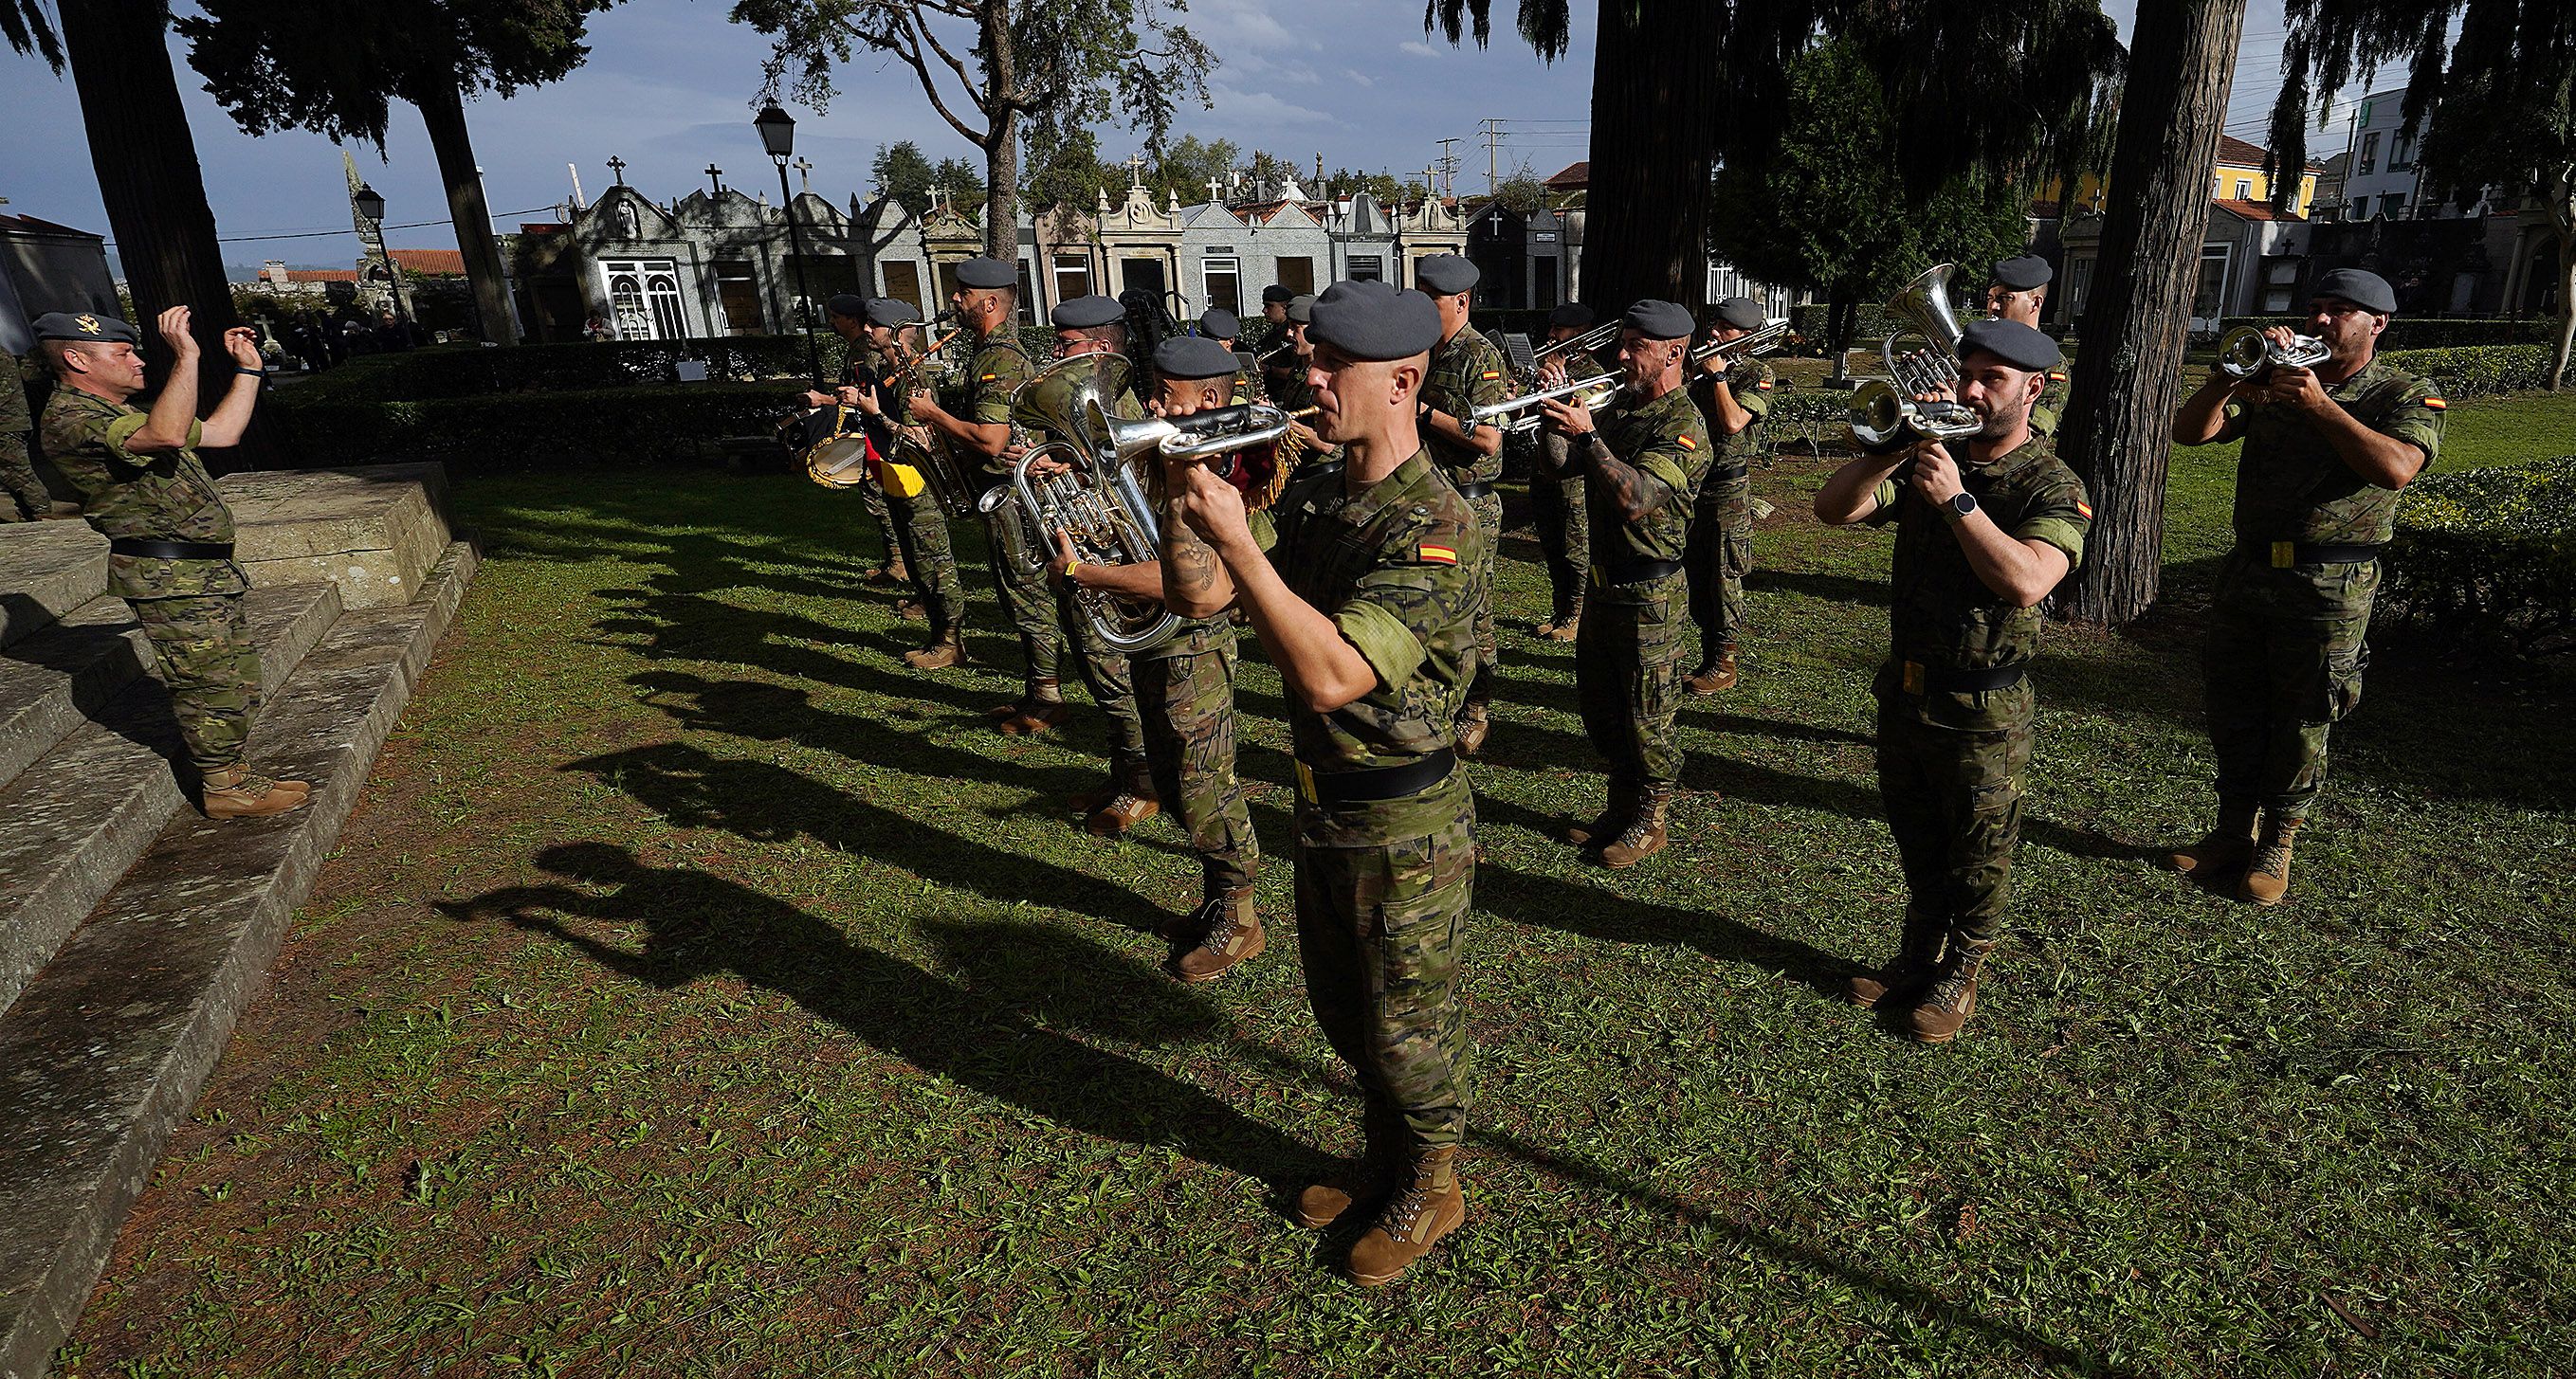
909 30
953 64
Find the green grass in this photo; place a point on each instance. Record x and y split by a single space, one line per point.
700 992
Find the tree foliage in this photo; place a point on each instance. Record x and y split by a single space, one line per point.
1063 168
30 30
1187 167
904 175
1522 192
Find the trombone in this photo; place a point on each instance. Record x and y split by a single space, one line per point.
1590 342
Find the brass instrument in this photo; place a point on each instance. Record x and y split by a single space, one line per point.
2246 351
1596 391
1882 411
1773 334
952 485
1880 414
1590 342
1094 499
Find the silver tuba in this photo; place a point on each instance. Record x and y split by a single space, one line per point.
2246 351
1096 501
1880 412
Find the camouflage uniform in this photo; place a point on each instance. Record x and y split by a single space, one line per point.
1106 673
191 610
2051 407
982 397
22 495
1467 373
2285 650
1383 886
1185 695
1721 535
1557 508
1627 654
920 524
866 362
1950 760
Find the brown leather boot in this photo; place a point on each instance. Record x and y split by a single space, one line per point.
1121 812
1233 935
945 650
1606 825
1034 712
1918 953
1424 1209
1716 675
1364 1182
1643 837
235 793
1475 721
910 610
1952 997
2267 876
2227 847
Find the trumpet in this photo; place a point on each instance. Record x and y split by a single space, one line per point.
1198 436
2247 351
1595 391
1773 334
1880 414
1592 341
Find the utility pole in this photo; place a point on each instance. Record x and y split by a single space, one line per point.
1492 129
1449 165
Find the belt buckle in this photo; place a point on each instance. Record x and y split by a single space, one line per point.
2284 554
1306 783
1912 673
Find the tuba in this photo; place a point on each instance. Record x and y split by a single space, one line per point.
2246 351
1096 501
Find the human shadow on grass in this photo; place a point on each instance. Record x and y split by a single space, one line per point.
1818 585
693 925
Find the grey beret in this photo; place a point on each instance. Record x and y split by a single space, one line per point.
84 325
1743 313
849 304
1085 313
2012 342
1658 320
2362 288
1372 320
891 312
1574 314
987 273
1276 293
1301 308
2024 272
1193 357
1221 323
1444 274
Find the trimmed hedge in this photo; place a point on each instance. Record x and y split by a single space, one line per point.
532 430
2486 558
451 371
2475 372
2432 332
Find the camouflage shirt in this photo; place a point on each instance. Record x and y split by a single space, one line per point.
1668 439
1751 381
2051 407
1395 568
983 397
166 496
1467 372
2290 484
1941 615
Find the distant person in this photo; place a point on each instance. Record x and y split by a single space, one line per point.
170 537
24 499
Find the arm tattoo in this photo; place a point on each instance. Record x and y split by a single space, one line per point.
1634 490
1191 562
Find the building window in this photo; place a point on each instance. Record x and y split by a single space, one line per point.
903 282
2244 189
2369 153
1027 293
2392 204
2079 283
1297 275
738 292
2208 300
2401 153
644 294
2361 208
1367 267
1221 273
1072 276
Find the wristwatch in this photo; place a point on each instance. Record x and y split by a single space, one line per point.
1467 428
1961 504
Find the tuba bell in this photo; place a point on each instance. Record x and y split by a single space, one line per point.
1096 500
1924 304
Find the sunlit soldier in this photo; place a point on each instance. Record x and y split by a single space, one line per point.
1980 540
1734 397
1556 485
2326 451
2018 292
1362 584
921 525
1467 372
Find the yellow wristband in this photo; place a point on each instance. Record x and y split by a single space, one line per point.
1070 566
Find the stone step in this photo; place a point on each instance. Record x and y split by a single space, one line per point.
79 815
47 569
374 531
62 676
108 1047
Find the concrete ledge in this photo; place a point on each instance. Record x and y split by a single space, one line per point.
374 531
108 1048
47 569
59 678
84 810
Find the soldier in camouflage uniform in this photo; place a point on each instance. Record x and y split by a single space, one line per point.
1185 692
974 422
1365 600
1556 485
1643 461
1226 329
22 495
847 314
2326 451
170 537
2018 292
921 524
1980 541
1271 331
1466 373
1734 396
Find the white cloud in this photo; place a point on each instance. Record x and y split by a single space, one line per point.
1418 48
1261 107
1358 77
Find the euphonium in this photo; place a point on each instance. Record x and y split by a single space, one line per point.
2247 351
1095 499
1880 414
1933 366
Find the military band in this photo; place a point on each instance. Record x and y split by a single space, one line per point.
1557 507
893 335
1733 390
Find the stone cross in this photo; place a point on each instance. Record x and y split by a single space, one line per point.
716 175
1135 170
1216 190
617 166
804 174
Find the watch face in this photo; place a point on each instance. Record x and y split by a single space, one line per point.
1963 503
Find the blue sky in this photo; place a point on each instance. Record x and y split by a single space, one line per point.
669 84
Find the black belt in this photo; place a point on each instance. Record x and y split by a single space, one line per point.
169 550
2281 555
1472 489
1729 474
1608 573
1378 783
1918 678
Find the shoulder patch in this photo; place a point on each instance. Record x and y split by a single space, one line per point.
2084 509
1763 386
1436 555
1687 442
2436 403
1493 373
988 378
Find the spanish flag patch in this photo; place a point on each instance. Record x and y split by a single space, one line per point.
2084 509
2436 403
2055 376
1491 373
1762 387
988 378
1436 555
1687 442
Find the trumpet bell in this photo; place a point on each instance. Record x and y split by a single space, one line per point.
2243 351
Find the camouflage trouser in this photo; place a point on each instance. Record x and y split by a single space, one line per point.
1627 680
881 512
1564 527
2283 663
1489 519
1380 931
211 669
1954 803
1720 554
1188 707
1111 679
1020 582
22 495
921 533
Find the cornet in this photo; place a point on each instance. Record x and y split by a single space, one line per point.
1593 392
2247 351
1880 415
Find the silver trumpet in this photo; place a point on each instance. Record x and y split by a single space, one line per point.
2246 351
1772 335
1593 392
1198 436
1590 342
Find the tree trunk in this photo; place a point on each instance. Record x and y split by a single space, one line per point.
2562 214
1002 155
443 111
154 192
2119 425
1654 101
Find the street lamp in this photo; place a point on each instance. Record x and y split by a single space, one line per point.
778 137
371 209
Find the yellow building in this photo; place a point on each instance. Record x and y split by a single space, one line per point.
2239 178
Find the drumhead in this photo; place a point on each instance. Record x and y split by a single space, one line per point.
837 454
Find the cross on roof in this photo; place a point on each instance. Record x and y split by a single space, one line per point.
1216 190
804 174
1135 169
716 175
617 166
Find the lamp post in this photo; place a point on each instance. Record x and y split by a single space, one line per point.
371 209
778 136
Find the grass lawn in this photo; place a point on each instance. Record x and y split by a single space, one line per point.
701 992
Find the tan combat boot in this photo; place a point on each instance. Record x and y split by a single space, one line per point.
1233 936
235 793
1041 708
945 650
1918 953
2228 846
1715 677
1123 810
2267 877
1423 1210
1475 722
1952 997
1606 825
1364 1182
1564 626
910 610
1643 837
